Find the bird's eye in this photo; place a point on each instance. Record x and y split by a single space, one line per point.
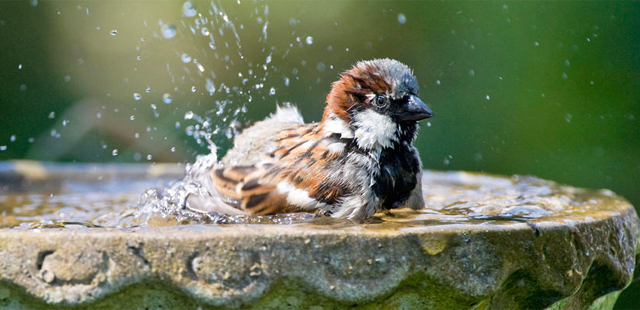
380 101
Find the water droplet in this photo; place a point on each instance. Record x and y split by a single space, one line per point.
147 90
114 152
446 162
33 2
193 89
286 81
488 97
166 98
31 140
173 149
19 66
98 115
564 76
402 18
536 43
189 9
149 157
168 31
12 138
137 96
136 135
3 148
438 82
590 82
132 117
185 58
200 67
309 40
428 124
205 31
568 117
320 66
566 62
113 32
211 88
188 115
23 87
65 122
272 91
67 78
52 115
472 73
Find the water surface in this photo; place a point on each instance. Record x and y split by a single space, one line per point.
33 195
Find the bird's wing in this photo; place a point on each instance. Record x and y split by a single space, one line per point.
295 177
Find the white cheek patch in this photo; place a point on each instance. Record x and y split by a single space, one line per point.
374 130
336 125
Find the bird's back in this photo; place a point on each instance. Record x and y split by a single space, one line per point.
261 137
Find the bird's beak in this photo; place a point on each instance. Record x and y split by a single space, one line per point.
414 110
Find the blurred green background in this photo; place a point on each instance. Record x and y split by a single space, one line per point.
545 88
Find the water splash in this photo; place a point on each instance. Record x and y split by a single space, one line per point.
219 35
402 19
189 9
167 98
168 31
104 197
173 199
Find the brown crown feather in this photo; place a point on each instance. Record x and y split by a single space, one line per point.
351 89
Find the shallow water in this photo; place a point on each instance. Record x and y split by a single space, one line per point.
33 195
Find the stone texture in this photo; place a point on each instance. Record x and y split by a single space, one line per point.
576 256
512 266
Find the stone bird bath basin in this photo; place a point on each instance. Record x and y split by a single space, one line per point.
483 242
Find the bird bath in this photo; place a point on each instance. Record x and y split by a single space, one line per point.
70 240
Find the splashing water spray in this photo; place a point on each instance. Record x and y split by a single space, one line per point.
212 22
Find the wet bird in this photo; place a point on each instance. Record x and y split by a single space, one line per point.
356 161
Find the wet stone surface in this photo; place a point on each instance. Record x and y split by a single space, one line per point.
482 242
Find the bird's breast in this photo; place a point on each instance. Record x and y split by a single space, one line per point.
397 176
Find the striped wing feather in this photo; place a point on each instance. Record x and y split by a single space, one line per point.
300 160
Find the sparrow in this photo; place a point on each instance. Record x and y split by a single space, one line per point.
358 160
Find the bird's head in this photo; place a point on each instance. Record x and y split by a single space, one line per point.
377 97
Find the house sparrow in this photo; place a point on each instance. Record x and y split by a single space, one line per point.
358 160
